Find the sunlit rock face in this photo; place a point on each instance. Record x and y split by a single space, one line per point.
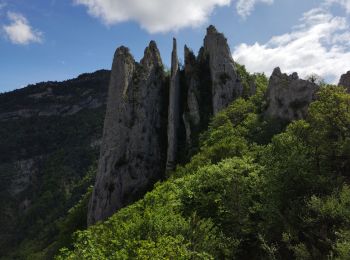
132 150
289 97
226 85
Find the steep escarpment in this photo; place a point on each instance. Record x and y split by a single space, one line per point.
132 151
289 97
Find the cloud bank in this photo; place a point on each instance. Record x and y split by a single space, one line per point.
319 44
19 30
162 15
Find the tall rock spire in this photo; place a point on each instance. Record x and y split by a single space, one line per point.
132 149
174 109
226 85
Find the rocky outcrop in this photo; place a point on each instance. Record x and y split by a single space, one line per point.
345 81
226 85
131 157
174 110
288 97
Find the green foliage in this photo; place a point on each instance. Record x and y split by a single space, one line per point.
243 195
50 222
329 118
254 85
309 160
155 227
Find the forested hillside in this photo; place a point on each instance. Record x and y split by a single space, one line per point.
254 190
49 139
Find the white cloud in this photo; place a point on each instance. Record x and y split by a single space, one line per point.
19 30
246 7
155 15
319 44
162 15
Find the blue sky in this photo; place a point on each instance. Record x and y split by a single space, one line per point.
60 39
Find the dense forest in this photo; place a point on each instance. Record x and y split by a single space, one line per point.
256 189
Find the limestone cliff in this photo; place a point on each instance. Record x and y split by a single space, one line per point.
134 153
288 97
226 85
131 157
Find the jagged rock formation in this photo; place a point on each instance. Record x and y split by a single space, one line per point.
174 109
345 81
226 85
132 150
288 97
212 82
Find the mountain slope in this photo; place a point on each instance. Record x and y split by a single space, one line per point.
49 138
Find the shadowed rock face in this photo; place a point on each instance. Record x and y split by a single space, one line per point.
131 152
226 85
289 97
345 81
192 114
174 110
